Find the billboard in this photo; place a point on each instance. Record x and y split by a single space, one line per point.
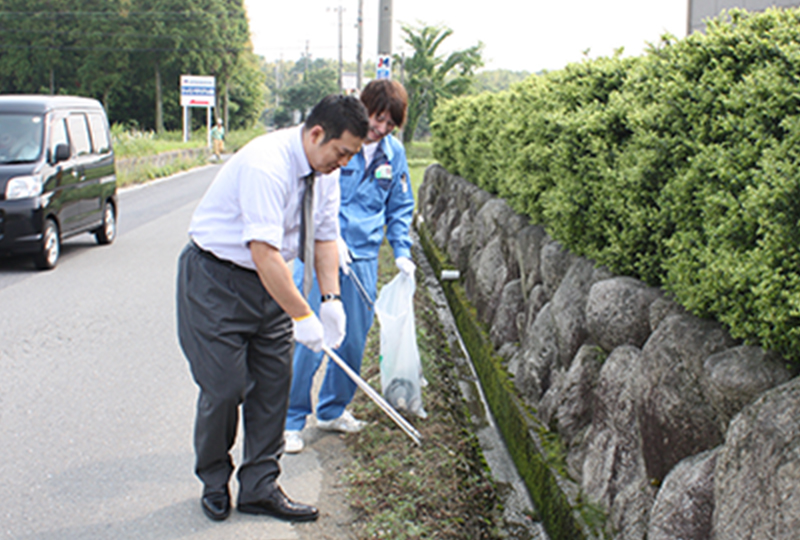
198 91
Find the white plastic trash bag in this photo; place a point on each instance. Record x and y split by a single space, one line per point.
401 369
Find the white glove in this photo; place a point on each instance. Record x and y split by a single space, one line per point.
406 266
308 331
344 255
331 313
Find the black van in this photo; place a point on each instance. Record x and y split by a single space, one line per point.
57 174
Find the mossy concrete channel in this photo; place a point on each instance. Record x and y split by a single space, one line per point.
521 520
512 426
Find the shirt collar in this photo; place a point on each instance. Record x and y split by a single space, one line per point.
299 154
383 146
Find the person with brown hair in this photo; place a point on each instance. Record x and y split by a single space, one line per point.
376 197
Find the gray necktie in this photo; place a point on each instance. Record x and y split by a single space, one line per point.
307 234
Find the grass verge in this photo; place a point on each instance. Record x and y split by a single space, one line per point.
146 171
441 489
138 144
419 155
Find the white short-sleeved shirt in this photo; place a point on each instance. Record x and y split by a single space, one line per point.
257 195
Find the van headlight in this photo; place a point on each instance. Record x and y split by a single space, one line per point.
23 187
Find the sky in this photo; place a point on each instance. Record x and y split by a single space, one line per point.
519 35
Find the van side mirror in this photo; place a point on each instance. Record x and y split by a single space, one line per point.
62 152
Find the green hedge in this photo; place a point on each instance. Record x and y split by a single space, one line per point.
679 167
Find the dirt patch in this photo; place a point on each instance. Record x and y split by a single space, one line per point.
378 484
441 489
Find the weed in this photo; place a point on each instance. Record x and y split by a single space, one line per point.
441 489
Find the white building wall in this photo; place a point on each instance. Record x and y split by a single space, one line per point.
700 10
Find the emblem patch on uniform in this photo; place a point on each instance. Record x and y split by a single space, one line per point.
404 182
384 172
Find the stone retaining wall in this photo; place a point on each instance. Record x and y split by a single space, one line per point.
626 416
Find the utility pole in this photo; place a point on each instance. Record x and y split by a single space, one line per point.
341 82
360 46
385 28
339 10
308 56
278 66
402 83
384 70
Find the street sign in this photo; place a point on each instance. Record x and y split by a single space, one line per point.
384 70
197 91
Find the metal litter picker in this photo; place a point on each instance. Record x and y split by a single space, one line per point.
375 396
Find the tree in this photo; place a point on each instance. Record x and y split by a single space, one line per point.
429 77
247 93
105 60
316 81
218 42
157 28
497 80
130 54
32 48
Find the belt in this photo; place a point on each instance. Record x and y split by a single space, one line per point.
210 256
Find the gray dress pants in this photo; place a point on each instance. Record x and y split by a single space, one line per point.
238 342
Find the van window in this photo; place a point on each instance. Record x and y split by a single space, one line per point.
97 126
20 137
79 134
58 135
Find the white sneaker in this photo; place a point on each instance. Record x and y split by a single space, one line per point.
345 423
294 441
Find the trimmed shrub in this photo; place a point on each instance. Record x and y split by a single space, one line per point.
679 167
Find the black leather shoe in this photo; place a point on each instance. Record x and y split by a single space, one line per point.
278 505
216 505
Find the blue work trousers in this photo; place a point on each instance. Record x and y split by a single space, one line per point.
337 389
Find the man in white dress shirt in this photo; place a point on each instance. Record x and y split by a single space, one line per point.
238 309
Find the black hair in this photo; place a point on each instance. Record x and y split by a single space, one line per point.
336 113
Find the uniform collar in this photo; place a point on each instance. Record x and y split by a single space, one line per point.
384 145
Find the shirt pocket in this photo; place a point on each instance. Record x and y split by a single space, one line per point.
384 183
372 196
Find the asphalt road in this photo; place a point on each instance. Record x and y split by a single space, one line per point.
96 399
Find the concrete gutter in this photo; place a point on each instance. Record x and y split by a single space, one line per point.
518 507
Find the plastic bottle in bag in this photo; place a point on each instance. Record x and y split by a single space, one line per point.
401 369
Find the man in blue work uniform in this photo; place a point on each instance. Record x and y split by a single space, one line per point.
375 194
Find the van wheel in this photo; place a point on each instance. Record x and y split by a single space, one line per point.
48 255
108 231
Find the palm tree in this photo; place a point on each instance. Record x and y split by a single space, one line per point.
430 77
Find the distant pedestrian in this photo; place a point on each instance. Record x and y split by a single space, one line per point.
218 139
238 308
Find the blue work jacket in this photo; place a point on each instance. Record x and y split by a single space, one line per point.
373 199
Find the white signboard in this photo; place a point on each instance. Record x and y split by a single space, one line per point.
197 91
